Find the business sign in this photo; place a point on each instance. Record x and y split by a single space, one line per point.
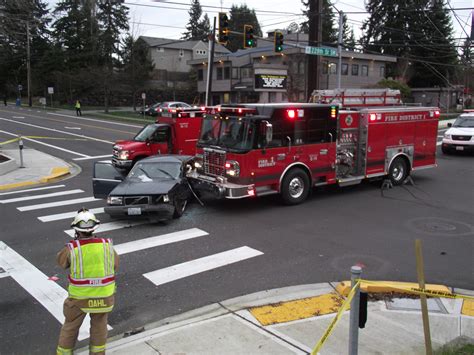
50 90
270 81
325 51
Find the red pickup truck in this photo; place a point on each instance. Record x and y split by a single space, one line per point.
176 131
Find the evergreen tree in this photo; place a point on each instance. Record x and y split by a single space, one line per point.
15 18
240 16
204 28
419 33
329 31
348 38
194 28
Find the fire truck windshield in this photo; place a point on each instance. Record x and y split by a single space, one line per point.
233 133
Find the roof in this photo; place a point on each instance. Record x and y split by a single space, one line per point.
178 43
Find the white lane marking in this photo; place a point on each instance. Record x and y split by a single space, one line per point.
18 117
76 128
96 157
439 143
48 293
440 136
46 144
93 120
164 239
59 203
67 215
37 197
110 226
31 190
179 271
59 131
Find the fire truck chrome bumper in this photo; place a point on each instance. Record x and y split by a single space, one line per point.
124 164
223 189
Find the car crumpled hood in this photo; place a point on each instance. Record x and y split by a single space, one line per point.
137 187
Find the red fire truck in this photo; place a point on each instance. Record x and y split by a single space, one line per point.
287 148
176 131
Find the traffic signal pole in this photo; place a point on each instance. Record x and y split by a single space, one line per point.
210 65
315 38
339 50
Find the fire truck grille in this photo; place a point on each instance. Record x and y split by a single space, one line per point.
461 138
214 163
115 153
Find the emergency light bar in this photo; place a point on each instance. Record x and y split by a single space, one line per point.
239 111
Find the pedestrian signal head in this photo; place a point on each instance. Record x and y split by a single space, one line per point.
85 221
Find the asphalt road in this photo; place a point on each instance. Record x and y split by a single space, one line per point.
314 242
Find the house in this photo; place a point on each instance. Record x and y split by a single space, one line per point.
261 75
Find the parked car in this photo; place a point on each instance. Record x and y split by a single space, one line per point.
155 186
460 135
156 109
151 110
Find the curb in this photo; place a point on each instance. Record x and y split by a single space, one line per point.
56 173
344 287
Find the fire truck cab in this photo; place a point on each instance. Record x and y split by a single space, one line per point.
288 148
176 131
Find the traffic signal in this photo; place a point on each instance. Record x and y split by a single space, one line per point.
249 41
223 28
278 42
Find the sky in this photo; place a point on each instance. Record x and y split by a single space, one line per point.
167 18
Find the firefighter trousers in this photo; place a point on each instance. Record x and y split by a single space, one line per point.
74 317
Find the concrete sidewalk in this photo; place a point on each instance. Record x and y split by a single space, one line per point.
39 168
272 322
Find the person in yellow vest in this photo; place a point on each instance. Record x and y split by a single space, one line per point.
78 108
93 263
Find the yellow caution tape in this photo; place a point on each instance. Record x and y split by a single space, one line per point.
423 291
10 141
41 137
336 319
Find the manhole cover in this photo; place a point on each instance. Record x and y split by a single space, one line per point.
439 226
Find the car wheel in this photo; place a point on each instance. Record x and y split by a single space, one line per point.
445 150
398 171
295 187
179 208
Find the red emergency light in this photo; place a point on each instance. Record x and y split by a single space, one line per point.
436 113
291 114
372 117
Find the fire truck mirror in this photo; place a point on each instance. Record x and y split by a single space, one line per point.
267 132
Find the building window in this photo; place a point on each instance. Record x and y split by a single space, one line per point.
344 69
355 69
200 51
325 67
226 73
364 71
382 71
200 74
181 53
272 96
219 73
332 68
235 73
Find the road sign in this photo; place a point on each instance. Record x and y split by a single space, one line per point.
143 95
328 52
20 87
50 90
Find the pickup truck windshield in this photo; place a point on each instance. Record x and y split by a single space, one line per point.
467 122
234 133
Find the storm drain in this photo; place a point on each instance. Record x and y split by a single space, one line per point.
440 226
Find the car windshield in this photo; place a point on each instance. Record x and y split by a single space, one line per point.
145 133
467 122
234 133
150 171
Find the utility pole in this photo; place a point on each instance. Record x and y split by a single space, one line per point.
28 63
210 65
339 50
315 39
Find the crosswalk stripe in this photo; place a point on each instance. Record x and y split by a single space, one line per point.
111 226
31 190
179 271
163 239
67 215
37 197
58 203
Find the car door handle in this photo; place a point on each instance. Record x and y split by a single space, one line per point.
323 151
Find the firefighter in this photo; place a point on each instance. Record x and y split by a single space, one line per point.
92 262
78 108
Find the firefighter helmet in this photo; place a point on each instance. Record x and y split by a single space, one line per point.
85 221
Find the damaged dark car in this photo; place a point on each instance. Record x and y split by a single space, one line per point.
155 187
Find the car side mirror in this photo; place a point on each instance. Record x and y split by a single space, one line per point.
267 132
450 124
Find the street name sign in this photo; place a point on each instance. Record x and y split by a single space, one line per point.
328 52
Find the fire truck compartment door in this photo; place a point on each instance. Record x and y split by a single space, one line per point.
376 144
105 178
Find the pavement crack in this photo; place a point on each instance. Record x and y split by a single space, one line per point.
263 329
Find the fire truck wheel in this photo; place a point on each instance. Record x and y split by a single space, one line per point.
295 187
179 208
398 171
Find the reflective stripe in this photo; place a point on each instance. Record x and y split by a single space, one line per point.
98 310
73 259
63 351
110 244
106 264
97 348
79 251
95 281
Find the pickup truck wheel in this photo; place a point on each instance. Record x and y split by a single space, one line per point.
398 171
445 150
179 208
295 187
